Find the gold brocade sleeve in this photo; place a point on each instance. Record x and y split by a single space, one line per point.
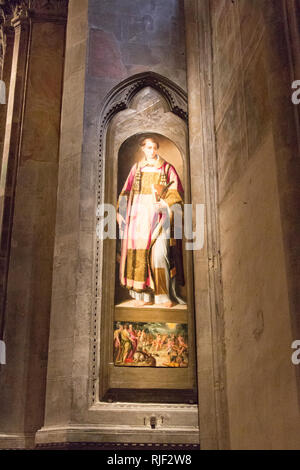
174 199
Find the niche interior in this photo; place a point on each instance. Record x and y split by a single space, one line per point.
144 107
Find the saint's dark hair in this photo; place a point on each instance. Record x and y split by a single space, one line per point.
148 137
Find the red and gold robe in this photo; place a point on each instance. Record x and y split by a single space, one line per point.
141 225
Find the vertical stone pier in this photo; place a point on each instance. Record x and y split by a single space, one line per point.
213 418
27 213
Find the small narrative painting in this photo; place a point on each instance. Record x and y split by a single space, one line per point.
138 344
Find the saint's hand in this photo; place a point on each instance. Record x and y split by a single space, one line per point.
160 205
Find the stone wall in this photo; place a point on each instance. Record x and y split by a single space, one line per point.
27 217
261 380
67 376
120 39
126 38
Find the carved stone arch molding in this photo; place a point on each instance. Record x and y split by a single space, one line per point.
124 115
120 96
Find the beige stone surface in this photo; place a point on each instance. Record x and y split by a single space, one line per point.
71 358
261 380
261 389
5 72
28 209
241 161
65 346
213 424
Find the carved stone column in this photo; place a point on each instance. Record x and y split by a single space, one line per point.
27 213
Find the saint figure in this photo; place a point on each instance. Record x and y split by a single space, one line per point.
149 213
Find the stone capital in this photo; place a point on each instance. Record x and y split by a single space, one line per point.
41 10
6 13
6 29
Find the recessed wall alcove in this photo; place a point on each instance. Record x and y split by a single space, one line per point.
146 105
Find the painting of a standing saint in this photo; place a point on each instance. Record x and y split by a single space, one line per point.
149 214
139 344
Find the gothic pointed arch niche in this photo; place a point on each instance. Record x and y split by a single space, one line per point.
144 104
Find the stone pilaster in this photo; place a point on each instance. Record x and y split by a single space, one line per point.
5 28
27 213
11 144
213 418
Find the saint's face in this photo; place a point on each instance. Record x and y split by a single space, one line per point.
150 149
